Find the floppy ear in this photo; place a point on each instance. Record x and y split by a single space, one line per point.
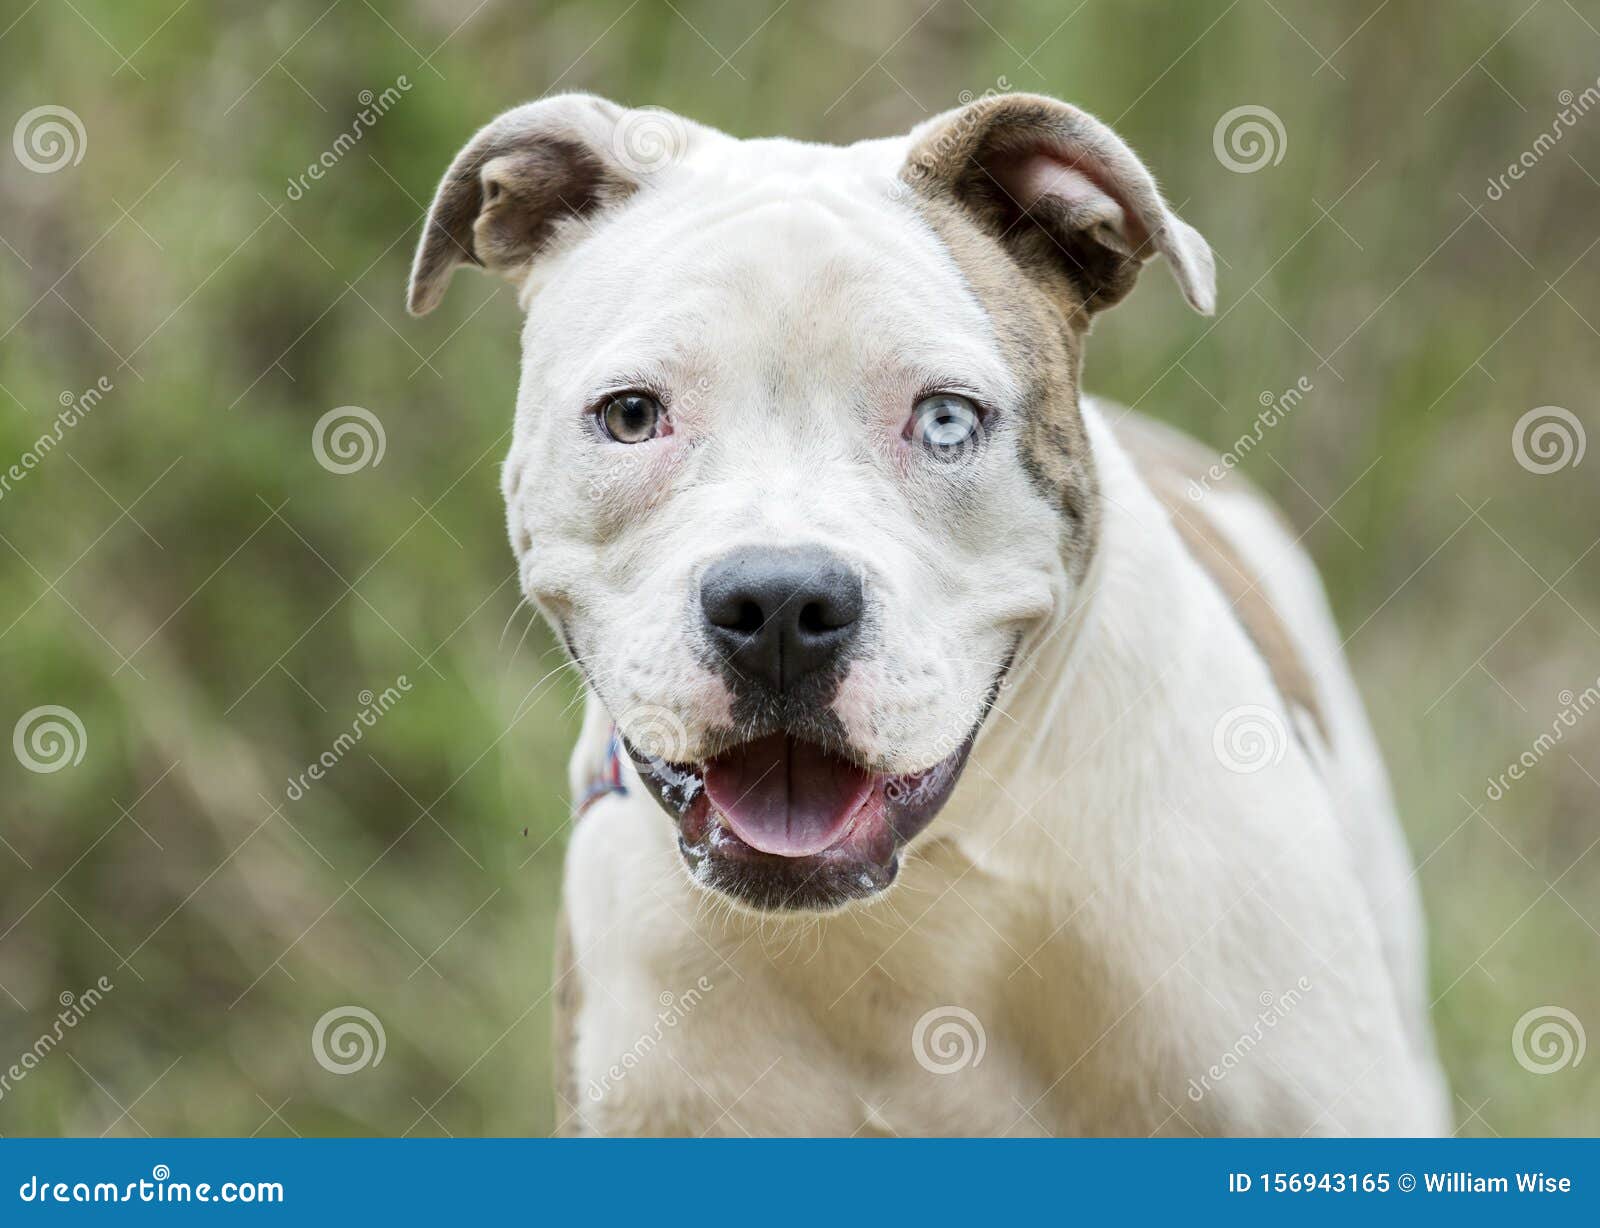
1062 192
521 182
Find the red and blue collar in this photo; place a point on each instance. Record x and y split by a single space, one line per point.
607 780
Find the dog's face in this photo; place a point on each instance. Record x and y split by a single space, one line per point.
798 462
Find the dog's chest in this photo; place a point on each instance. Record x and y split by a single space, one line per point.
948 1018
867 1051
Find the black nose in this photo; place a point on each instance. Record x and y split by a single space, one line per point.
778 616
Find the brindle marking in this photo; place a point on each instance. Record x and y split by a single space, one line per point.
1041 272
1168 461
1039 322
500 220
564 1031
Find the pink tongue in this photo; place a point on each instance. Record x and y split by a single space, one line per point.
784 796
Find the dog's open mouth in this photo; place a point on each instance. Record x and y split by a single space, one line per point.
781 823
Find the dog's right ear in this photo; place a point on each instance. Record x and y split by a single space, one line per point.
526 178
1062 193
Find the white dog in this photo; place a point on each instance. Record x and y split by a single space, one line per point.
945 769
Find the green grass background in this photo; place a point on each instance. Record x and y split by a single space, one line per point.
184 576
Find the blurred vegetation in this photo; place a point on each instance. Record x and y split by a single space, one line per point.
212 603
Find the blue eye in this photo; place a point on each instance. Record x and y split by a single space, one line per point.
945 423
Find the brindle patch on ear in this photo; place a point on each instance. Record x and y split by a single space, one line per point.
1169 462
517 185
1039 322
1062 192
955 162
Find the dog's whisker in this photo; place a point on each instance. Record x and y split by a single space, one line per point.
533 617
516 608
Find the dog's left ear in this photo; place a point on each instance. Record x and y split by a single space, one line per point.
1062 192
527 182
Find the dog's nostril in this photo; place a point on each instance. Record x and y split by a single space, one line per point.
749 618
814 619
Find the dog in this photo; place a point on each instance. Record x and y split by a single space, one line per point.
947 766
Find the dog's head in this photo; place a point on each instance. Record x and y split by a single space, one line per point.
798 459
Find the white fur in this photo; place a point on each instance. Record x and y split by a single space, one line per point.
1100 893
1108 900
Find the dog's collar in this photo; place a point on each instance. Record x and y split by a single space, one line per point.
607 780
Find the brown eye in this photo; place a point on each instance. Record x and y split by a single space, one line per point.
633 417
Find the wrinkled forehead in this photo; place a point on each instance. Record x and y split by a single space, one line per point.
802 276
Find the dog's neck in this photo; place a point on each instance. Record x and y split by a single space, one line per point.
1098 694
